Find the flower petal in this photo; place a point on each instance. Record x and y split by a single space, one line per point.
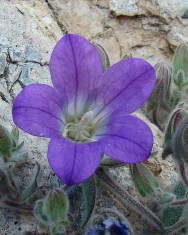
75 66
37 110
71 162
127 85
128 139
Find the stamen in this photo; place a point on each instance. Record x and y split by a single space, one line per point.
84 129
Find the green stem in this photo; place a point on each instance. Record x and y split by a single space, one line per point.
126 199
180 202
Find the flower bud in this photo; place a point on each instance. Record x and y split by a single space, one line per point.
174 120
159 106
180 67
180 149
180 141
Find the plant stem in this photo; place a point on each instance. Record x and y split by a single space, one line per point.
16 206
183 171
126 199
112 211
180 202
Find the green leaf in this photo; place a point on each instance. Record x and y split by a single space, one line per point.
19 157
7 186
4 183
56 206
5 143
89 198
145 182
171 215
27 192
15 136
166 198
58 229
39 213
180 190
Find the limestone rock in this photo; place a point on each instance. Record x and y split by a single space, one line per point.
177 35
3 64
78 16
127 8
173 7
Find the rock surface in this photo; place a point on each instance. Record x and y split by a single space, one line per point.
30 29
127 8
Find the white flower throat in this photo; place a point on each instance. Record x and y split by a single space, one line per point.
84 129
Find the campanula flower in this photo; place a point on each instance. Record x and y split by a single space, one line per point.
110 227
86 113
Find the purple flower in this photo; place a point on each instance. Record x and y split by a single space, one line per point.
86 113
110 227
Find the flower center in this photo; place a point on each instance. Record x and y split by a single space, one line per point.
83 129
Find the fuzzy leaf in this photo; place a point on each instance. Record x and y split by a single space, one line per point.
179 190
15 136
4 185
145 182
7 186
166 198
5 142
171 215
39 213
27 192
89 198
58 229
56 206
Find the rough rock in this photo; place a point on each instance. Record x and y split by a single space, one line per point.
127 8
31 24
173 7
78 16
177 35
162 8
